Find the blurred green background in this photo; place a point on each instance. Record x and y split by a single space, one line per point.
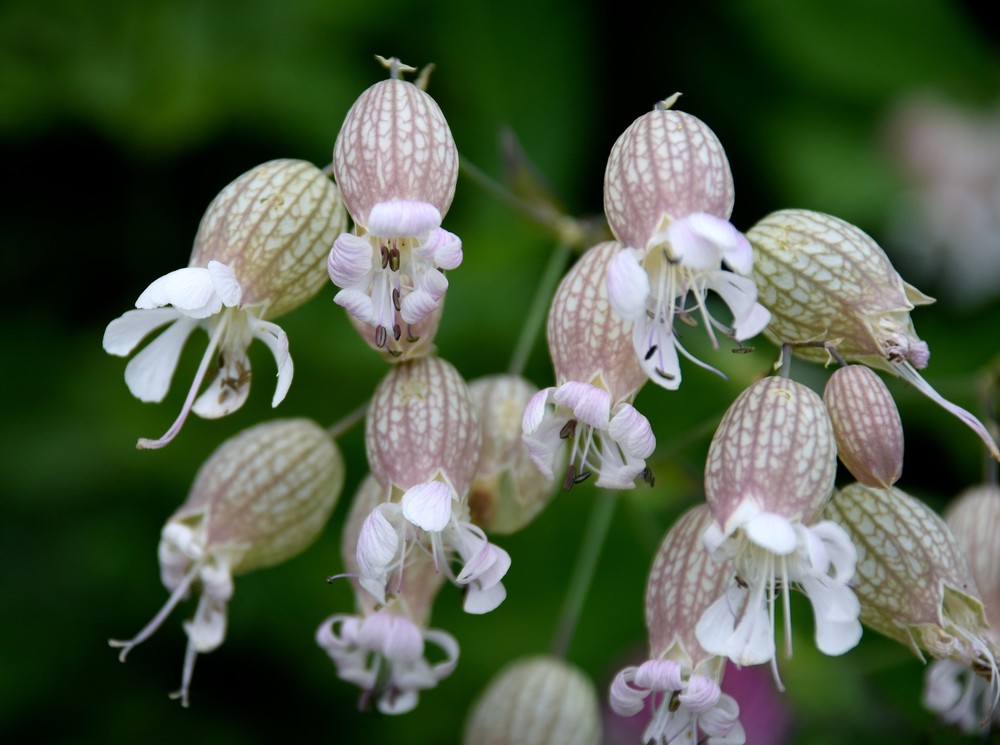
120 120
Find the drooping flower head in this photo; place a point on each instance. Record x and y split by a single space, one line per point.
258 254
866 425
397 165
423 448
668 195
383 650
509 490
680 674
913 578
260 499
828 284
536 701
597 377
770 471
962 695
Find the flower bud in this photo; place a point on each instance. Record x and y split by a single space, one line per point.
421 425
536 701
509 490
866 424
666 165
774 448
395 145
261 498
912 577
273 227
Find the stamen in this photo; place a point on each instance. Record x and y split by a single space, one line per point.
648 477
568 430
396 332
651 352
380 336
409 335
581 477
385 256
394 259
664 375
395 299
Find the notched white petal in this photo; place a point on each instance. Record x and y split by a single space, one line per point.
189 289
402 217
125 332
149 373
628 285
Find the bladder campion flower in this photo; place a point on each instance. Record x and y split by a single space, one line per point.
597 378
258 254
397 165
668 195
770 471
260 499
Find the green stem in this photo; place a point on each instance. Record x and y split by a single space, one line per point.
535 321
583 572
336 429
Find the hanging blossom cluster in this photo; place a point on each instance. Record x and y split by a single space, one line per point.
450 463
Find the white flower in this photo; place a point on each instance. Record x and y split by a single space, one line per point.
771 554
671 277
611 441
688 704
197 296
383 653
427 517
390 277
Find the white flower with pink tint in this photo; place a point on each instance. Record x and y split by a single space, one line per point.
397 165
668 195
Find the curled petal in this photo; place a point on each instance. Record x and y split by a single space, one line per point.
773 532
277 341
403 217
625 699
378 543
428 505
836 609
479 600
125 332
226 286
534 412
660 675
700 694
207 630
736 627
425 298
350 260
148 374
628 285
589 404
442 249
359 304
740 294
722 722
699 241
190 290
632 432
544 444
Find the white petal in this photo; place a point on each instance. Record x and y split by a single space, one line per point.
207 630
615 474
722 722
534 412
660 675
701 241
424 299
740 294
628 285
773 532
442 249
350 260
125 332
227 287
378 544
189 290
277 341
839 548
730 629
479 601
544 443
359 304
656 350
428 505
632 432
625 700
401 217
228 392
589 404
835 610
148 374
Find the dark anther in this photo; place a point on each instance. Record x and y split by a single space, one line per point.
648 477
581 477
385 257
741 582
394 259
409 335
651 352
570 477
568 430
664 375
395 298
380 337
743 350
675 701
395 352
396 332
